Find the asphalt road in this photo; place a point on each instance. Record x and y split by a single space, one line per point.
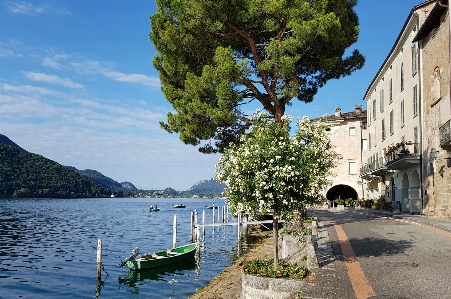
381 257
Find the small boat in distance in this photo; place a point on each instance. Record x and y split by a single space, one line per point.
154 209
210 207
160 258
179 206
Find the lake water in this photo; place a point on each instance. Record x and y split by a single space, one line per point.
48 247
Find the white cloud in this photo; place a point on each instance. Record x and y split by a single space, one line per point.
28 89
95 67
133 78
20 7
29 8
41 77
53 61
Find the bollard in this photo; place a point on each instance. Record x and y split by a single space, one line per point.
174 232
99 259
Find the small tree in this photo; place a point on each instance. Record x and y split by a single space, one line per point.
271 171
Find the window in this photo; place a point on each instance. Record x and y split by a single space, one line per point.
364 145
390 84
414 59
369 140
391 123
375 137
381 104
369 116
352 131
363 125
402 113
402 76
352 167
415 140
383 129
374 109
415 101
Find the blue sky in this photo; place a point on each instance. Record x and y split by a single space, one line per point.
77 86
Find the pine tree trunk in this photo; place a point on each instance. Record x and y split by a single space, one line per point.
275 229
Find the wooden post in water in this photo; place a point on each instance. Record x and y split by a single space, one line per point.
203 222
213 219
219 219
174 232
239 226
99 259
223 214
191 238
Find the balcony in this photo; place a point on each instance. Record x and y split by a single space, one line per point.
374 169
401 156
445 136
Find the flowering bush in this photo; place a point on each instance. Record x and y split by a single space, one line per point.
272 171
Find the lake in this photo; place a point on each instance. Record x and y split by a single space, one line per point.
48 247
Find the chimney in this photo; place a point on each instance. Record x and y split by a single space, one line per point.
358 109
338 112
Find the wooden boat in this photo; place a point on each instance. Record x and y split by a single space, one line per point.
161 258
154 209
179 206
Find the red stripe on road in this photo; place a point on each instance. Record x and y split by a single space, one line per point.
360 283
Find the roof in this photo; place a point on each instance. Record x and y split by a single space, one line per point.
343 116
432 21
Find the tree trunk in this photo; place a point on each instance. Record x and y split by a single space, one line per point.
275 230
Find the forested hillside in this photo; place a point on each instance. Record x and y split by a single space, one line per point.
24 174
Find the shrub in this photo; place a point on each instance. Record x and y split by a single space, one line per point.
265 268
350 202
339 201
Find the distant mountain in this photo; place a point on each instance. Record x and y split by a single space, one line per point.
24 174
128 185
7 141
97 177
207 186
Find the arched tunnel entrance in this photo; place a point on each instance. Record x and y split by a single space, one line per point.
341 191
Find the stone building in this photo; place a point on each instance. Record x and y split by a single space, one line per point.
409 112
347 130
433 38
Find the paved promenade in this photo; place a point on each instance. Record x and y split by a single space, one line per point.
386 255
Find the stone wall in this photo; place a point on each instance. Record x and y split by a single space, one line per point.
436 106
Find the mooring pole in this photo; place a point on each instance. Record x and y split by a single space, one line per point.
174 232
239 225
213 221
191 228
99 259
203 222
219 219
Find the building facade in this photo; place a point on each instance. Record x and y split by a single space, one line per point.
346 131
408 112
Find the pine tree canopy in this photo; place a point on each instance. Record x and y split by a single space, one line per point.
214 57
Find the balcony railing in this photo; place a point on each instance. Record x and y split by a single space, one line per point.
399 156
445 136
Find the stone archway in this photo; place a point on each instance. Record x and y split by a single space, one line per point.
341 191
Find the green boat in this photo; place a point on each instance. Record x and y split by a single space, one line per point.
161 258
